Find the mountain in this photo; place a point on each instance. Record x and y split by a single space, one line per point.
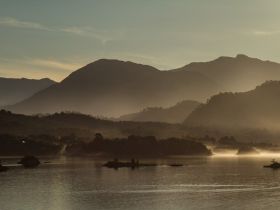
256 109
112 88
15 90
237 74
173 114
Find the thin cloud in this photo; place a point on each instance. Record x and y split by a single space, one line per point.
64 66
266 33
75 30
53 64
38 67
86 31
11 22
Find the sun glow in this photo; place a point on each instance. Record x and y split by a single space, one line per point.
233 153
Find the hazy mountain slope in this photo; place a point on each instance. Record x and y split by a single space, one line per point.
240 73
114 88
173 114
16 90
258 108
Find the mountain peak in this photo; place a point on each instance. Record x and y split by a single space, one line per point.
107 60
108 66
222 60
111 69
242 56
238 57
115 64
269 84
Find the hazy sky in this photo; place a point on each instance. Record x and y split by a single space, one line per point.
51 38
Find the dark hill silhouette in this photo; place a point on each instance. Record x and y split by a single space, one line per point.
72 127
112 88
256 109
15 90
173 114
68 124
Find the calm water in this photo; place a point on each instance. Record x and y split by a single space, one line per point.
206 183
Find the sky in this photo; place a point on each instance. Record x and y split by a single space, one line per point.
52 38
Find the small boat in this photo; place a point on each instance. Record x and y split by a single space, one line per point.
3 168
274 165
175 165
133 164
29 162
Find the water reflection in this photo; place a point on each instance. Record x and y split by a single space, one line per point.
216 182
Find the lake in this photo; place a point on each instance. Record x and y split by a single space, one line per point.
82 184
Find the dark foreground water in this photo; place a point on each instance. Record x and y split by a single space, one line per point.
81 184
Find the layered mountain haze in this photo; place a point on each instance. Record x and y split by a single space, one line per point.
173 114
15 90
236 74
112 88
256 109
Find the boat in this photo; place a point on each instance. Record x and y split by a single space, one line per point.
274 165
29 162
3 168
132 164
175 165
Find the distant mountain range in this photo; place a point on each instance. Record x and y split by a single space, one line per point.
15 90
173 114
256 109
112 88
236 74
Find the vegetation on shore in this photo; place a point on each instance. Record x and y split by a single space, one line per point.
138 146
135 146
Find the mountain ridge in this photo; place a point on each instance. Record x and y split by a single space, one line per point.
13 90
255 109
111 87
137 87
172 114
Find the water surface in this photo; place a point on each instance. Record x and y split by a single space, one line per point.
81 184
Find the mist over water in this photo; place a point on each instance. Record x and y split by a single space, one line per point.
234 153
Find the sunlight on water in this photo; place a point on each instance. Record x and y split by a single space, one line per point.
233 153
229 153
264 153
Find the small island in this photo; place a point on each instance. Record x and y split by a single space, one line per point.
29 162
